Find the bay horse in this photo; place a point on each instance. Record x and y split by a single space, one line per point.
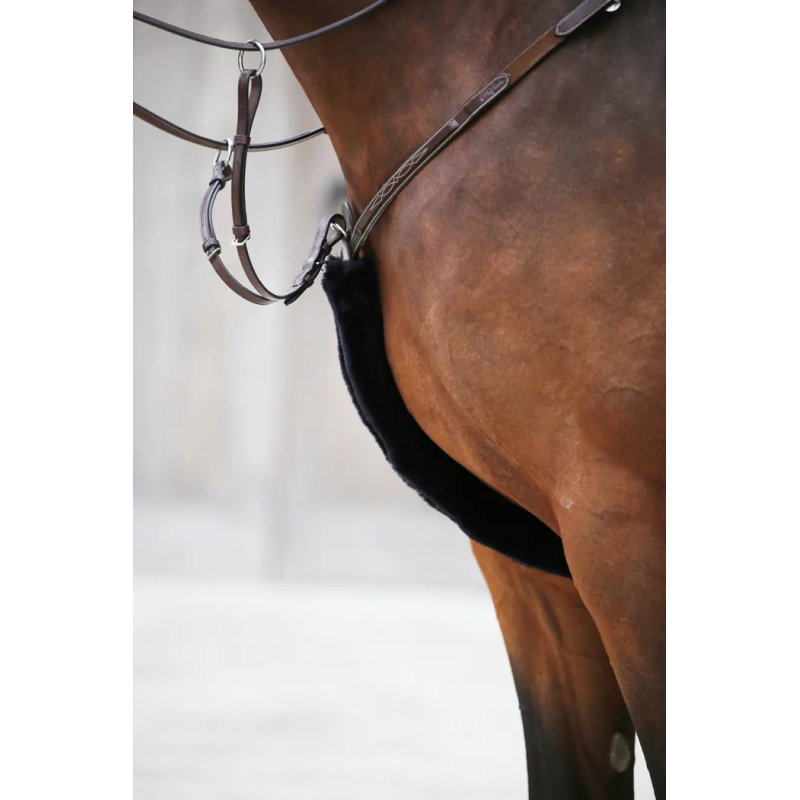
522 286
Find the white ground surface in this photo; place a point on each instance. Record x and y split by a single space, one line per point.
332 694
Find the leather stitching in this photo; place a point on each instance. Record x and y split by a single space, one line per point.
580 21
404 169
489 92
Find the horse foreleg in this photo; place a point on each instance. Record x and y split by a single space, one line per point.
579 738
614 540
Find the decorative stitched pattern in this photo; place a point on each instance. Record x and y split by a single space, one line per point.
425 153
500 82
401 173
580 20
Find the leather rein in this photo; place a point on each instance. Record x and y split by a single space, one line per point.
342 228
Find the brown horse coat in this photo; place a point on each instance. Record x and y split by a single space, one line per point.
522 276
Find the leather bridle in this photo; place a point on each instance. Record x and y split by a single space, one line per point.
337 228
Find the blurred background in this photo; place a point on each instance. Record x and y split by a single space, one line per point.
305 626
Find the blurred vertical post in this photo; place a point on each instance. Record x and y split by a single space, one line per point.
250 461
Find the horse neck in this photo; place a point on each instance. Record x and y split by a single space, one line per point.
385 83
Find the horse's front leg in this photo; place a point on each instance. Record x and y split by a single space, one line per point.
579 738
614 539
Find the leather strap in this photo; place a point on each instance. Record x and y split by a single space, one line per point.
279 45
579 15
181 133
211 247
249 95
352 236
171 128
421 156
475 106
312 266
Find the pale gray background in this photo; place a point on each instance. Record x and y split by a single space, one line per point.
250 461
305 626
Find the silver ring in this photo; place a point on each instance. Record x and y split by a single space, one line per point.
344 241
229 144
337 227
262 52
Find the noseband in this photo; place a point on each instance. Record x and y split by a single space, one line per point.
336 229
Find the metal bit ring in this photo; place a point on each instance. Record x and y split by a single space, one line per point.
227 160
262 52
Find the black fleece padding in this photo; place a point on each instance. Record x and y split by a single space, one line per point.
481 512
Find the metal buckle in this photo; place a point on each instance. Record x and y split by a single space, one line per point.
320 253
342 233
344 238
228 155
237 243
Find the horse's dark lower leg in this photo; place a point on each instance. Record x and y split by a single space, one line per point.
616 549
579 738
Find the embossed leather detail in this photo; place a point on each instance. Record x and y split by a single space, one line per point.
478 103
336 226
579 15
422 155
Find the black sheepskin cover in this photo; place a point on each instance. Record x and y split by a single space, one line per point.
482 513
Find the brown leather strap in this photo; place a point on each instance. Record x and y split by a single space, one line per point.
532 55
279 45
318 255
211 247
250 86
249 95
579 15
421 156
475 106
151 118
181 133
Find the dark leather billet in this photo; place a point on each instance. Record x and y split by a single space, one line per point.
579 15
249 94
478 103
532 55
422 155
211 246
279 44
250 86
172 129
